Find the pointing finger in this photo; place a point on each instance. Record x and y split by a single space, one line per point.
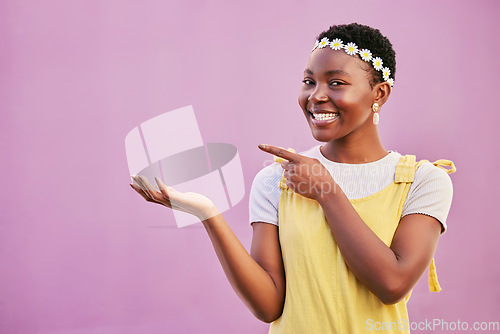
280 153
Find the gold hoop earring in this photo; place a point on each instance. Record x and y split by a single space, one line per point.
376 117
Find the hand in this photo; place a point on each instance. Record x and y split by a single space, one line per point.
193 203
306 176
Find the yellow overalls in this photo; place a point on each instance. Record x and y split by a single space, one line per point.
322 294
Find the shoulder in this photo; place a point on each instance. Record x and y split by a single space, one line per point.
430 193
265 193
429 175
268 175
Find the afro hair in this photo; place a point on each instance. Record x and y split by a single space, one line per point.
365 38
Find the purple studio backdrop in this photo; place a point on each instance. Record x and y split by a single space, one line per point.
81 252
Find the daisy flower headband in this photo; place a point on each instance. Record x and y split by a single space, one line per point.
352 49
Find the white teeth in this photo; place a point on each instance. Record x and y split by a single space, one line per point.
325 116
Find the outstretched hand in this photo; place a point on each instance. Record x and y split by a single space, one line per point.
192 203
306 176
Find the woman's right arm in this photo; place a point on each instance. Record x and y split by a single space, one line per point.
258 279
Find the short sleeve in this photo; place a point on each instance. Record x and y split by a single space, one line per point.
265 195
430 194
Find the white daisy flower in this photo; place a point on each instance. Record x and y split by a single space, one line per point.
377 63
365 54
337 44
390 81
315 45
324 42
351 48
386 72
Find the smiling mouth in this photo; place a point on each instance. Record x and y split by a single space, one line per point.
323 117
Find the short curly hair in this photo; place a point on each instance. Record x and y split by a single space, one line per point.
369 38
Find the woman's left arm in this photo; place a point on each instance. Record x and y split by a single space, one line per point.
388 272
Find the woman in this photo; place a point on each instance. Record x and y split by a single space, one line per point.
341 232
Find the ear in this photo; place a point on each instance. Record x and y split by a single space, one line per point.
382 90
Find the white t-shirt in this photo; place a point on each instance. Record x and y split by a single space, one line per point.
430 193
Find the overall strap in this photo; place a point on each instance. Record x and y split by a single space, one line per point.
442 163
405 170
279 160
433 281
405 173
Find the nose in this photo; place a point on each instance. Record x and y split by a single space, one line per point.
319 94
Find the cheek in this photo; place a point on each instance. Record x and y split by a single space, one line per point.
346 99
352 101
303 98
303 102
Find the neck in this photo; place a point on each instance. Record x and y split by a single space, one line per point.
353 151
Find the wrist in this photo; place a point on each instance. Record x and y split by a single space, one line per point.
329 192
208 212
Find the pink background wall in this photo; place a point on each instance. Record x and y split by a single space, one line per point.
80 252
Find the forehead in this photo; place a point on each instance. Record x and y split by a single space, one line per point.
326 60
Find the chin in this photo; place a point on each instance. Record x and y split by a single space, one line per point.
322 136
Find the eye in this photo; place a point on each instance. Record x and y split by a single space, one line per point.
308 82
336 83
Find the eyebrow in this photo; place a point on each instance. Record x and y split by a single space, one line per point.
327 73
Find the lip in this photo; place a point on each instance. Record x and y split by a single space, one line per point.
322 111
322 123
